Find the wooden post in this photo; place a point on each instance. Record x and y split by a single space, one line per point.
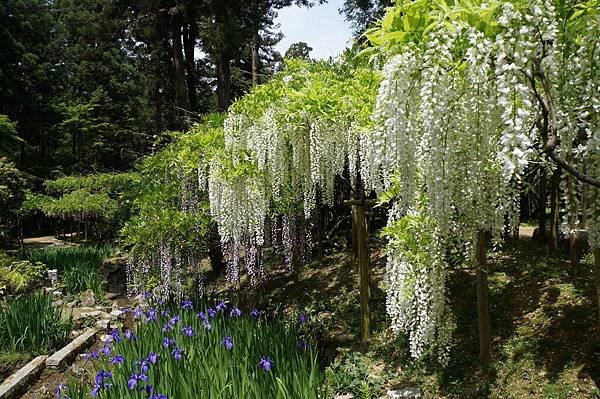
483 303
361 248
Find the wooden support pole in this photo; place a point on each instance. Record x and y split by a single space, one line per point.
483 303
362 251
597 278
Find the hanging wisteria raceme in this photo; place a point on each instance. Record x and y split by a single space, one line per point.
455 127
280 153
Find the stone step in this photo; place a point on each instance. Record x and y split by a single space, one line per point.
69 352
20 379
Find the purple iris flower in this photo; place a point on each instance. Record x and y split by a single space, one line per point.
101 383
303 318
60 388
187 305
94 355
151 315
207 325
106 349
235 312
130 335
166 342
202 316
138 312
148 294
255 314
101 376
221 306
144 366
176 354
117 359
134 379
116 336
187 330
211 312
153 357
227 342
265 363
159 396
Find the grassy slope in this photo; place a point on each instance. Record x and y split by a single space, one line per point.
546 333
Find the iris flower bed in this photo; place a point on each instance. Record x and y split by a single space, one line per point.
213 352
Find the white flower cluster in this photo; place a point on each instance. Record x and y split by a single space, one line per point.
517 46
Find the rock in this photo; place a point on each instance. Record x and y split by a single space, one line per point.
57 303
18 381
344 396
111 296
117 314
94 314
404 393
87 298
56 294
71 304
102 324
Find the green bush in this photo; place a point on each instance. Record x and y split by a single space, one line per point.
17 276
30 324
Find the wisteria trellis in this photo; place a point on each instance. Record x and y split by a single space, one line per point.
448 123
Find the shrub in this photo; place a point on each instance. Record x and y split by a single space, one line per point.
17 276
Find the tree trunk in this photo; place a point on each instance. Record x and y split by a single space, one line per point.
222 59
255 58
483 303
158 78
542 203
597 277
190 34
362 248
214 250
584 201
181 98
554 211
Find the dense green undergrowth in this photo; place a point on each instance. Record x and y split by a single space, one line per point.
79 267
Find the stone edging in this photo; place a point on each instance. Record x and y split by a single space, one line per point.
18 382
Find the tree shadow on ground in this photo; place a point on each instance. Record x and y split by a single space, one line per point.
541 312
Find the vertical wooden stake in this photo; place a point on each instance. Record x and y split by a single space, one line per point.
362 251
483 303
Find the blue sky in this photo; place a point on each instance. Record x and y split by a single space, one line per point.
321 27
